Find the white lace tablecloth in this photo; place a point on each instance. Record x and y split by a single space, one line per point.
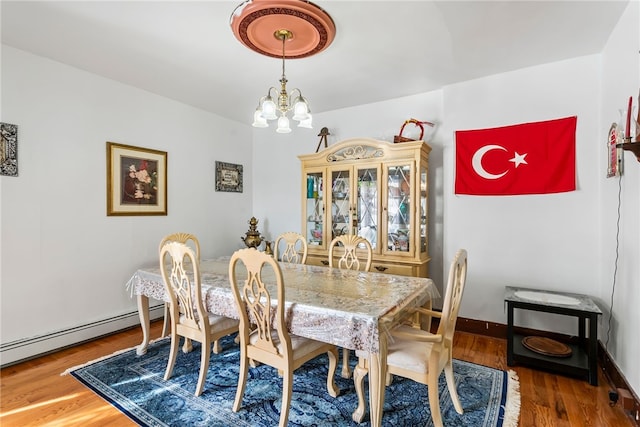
345 308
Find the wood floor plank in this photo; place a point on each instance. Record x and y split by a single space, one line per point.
34 394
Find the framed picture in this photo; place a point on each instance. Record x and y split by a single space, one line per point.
136 180
8 149
228 177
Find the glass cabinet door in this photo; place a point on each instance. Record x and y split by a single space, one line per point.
423 210
398 217
341 194
367 212
314 208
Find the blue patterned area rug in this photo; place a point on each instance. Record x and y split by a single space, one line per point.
134 384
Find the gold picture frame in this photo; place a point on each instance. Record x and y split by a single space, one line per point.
229 177
136 180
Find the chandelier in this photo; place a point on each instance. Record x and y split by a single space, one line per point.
269 106
266 27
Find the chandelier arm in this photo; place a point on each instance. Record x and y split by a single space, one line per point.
269 92
294 90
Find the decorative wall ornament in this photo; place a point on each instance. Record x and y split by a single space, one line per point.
136 180
324 132
9 149
228 177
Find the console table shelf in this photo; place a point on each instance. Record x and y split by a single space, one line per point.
583 359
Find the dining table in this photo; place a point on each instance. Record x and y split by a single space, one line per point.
350 309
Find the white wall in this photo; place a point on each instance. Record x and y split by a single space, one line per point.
563 241
537 241
621 79
64 262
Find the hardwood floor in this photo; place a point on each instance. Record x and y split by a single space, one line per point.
34 394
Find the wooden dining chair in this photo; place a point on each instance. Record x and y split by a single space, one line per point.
420 355
353 253
263 334
193 242
189 318
291 247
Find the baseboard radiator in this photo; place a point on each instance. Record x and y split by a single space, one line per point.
29 348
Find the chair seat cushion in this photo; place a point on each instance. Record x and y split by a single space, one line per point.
406 353
409 354
300 346
220 322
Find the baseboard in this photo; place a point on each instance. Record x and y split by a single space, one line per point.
499 330
22 350
616 379
618 382
481 327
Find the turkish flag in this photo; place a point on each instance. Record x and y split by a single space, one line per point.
528 158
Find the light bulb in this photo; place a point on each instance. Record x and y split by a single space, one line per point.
258 120
269 109
300 109
306 123
283 125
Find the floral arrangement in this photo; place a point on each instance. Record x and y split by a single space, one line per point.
140 186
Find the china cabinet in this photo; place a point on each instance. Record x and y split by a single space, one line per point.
375 189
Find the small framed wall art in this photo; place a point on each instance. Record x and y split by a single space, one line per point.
228 177
136 180
8 149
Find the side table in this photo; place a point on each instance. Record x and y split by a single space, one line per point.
583 360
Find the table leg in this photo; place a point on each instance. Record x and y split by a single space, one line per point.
143 313
509 334
358 379
593 349
582 321
377 382
425 321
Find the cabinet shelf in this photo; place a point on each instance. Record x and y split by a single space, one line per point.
634 147
576 365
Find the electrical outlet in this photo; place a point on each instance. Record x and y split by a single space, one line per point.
613 397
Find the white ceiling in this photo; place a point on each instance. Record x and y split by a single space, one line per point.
185 50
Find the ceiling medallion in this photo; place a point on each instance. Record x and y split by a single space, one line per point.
255 21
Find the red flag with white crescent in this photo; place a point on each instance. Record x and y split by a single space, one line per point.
528 158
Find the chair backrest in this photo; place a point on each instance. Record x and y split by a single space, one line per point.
188 239
182 283
453 296
350 260
253 299
294 248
